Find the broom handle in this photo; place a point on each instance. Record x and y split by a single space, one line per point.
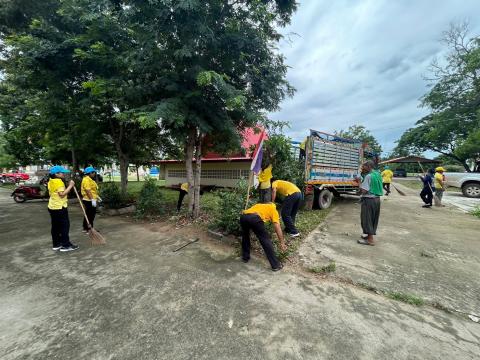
424 173
83 209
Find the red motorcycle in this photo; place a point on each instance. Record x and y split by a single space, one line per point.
31 191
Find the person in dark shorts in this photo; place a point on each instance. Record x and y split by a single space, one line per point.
427 192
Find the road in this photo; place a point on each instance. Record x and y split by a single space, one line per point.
135 298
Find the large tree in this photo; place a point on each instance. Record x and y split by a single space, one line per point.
453 126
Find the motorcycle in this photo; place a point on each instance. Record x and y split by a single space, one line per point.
31 191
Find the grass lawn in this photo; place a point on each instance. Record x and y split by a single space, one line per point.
412 184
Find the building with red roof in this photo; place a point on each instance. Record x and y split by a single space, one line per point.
217 170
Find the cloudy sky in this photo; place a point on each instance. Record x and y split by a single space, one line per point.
362 61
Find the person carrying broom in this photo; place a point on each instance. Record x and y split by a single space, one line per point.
90 198
57 207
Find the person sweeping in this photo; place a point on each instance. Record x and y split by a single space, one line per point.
57 207
90 198
427 192
439 185
371 189
291 203
265 185
387 176
254 219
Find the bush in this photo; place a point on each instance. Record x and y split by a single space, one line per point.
231 203
112 196
476 212
454 168
150 200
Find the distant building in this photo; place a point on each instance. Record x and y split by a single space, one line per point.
216 170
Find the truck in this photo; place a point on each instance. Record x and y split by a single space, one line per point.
469 183
332 166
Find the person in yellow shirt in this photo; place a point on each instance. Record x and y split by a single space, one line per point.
387 176
90 198
183 192
439 181
57 207
291 203
254 219
265 185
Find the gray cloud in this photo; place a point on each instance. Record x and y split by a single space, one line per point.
361 62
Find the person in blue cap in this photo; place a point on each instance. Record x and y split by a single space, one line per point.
57 207
89 189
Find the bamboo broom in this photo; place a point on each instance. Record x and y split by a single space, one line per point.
95 237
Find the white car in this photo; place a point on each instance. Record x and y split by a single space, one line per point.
468 182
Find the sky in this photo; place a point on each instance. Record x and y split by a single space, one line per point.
363 62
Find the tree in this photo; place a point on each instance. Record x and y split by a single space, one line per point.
6 160
359 132
453 126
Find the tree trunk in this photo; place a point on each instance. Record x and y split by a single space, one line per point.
123 159
74 160
138 176
198 173
189 150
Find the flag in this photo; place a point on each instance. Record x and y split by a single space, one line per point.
257 159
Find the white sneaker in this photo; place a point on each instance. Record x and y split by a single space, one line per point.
56 248
69 248
295 235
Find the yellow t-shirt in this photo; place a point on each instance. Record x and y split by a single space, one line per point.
56 202
268 212
438 178
264 177
89 184
387 176
184 187
303 143
285 188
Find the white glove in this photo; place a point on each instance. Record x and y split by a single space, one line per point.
94 203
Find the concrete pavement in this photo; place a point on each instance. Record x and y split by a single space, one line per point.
136 299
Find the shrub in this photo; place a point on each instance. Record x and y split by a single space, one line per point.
476 212
231 203
454 168
112 196
150 201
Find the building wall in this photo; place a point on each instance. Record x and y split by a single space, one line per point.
221 174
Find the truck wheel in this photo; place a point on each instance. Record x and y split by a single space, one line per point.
325 199
471 190
19 198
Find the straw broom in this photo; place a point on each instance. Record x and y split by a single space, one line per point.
95 237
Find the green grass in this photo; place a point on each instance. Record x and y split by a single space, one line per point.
8 186
331 267
406 298
476 212
412 184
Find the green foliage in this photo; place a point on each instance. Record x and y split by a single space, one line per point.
112 196
6 160
476 212
231 203
453 126
406 298
278 149
331 267
150 201
359 132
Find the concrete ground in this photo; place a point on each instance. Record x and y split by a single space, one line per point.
135 298
430 253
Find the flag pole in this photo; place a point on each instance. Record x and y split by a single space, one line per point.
250 177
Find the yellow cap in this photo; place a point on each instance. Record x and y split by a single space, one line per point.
440 169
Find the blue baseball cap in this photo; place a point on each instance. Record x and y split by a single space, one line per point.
58 169
89 170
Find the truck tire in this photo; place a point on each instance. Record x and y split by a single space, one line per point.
471 190
325 199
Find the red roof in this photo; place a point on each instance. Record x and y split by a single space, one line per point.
251 140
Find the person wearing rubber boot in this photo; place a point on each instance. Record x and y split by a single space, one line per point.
254 219
291 203
371 189
90 198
